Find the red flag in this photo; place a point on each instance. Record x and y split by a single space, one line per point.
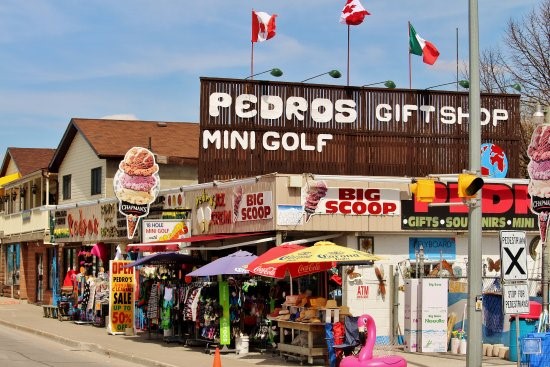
353 13
263 26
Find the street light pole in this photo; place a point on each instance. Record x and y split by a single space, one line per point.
473 358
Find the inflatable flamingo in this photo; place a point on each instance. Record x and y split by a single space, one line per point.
365 359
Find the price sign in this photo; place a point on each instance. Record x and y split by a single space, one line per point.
121 300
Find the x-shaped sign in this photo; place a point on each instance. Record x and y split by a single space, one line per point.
514 261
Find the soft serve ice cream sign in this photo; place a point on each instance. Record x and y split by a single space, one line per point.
136 186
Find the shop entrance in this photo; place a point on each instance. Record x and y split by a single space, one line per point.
39 278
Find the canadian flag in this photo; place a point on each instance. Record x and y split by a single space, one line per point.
263 26
353 13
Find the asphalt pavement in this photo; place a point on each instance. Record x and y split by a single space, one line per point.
152 350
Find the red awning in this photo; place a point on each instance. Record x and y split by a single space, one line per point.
153 247
174 246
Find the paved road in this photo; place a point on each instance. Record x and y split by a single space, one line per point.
153 351
22 349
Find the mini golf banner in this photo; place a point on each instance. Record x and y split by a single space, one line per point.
225 327
121 300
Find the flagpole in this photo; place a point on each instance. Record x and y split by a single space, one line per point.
252 48
252 61
348 55
410 69
457 59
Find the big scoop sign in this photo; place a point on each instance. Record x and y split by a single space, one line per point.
136 185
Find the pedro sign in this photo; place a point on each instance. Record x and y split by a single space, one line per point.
121 300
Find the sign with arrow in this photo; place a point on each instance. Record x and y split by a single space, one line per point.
513 254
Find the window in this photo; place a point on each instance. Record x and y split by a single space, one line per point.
13 258
66 187
51 272
70 260
96 181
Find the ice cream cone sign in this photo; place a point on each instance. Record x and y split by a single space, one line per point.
539 173
136 185
312 194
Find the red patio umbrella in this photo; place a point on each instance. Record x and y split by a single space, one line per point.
259 266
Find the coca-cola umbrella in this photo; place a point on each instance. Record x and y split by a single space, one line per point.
280 270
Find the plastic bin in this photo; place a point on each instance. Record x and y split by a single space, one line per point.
527 325
536 359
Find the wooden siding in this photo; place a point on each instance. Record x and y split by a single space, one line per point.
78 162
12 168
366 147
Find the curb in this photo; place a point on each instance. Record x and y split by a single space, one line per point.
92 347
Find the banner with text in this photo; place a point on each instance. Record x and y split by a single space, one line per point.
121 299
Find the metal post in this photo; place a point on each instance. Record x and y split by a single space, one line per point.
421 255
473 358
544 277
417 258
13 277
545 248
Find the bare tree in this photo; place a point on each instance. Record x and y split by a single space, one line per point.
526 61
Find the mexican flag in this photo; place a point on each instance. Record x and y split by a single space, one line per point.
419 46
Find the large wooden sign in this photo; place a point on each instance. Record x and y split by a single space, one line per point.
258 127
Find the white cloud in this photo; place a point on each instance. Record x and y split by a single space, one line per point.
122 116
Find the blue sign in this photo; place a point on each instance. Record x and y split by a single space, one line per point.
494 162
435 248
531 346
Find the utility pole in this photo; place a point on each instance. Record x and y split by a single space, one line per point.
473 358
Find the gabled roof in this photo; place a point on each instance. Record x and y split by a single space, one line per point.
111 139
27 160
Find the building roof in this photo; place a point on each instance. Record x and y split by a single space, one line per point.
27 160
111 139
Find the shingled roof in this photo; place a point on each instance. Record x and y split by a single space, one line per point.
27 160
111 139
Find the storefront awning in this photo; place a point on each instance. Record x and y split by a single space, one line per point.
9 178
175 246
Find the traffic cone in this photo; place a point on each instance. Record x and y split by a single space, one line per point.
217 358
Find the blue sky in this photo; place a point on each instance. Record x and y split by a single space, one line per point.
143 58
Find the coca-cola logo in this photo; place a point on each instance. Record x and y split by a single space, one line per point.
270 271
309 268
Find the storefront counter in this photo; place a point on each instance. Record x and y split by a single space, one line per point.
313 348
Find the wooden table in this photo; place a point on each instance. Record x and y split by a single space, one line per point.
309 351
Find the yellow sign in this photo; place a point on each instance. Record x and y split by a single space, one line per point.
121 300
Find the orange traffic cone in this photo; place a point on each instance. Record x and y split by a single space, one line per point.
217 358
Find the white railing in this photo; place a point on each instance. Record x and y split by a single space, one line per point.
27 221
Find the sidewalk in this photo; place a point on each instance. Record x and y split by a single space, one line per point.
156 352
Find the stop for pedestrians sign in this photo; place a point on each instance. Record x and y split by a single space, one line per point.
513 254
